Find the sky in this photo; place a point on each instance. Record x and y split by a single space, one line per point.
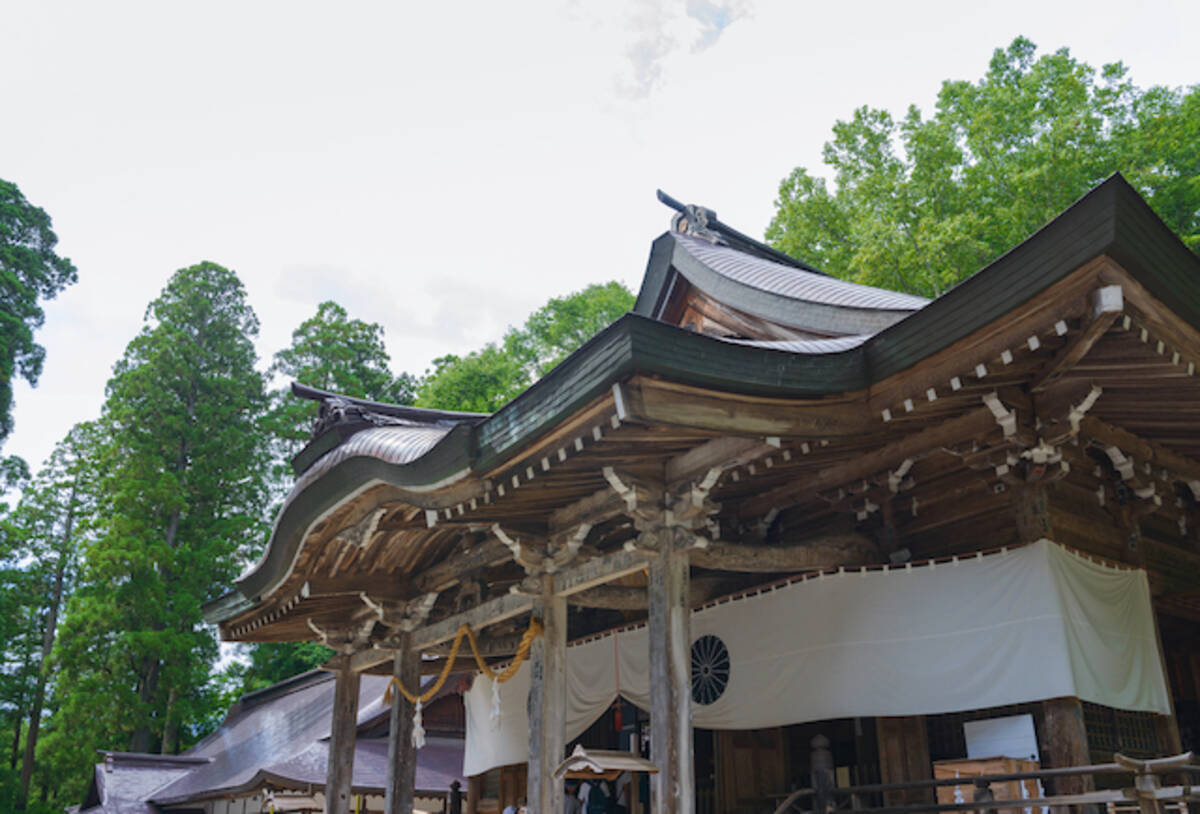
445 168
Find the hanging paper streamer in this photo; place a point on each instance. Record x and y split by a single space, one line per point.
418 733
617 722
495 716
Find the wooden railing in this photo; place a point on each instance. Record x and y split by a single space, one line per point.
1146 793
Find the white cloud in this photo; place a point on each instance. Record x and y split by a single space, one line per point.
714 18
657 30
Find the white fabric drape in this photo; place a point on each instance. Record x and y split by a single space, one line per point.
1024 625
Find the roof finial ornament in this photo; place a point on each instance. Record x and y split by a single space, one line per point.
693 220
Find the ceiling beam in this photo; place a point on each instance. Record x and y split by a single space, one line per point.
973 425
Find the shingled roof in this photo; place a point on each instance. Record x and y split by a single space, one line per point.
277 736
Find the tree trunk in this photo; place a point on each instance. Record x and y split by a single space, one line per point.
143 736
39 694
16 744
170 742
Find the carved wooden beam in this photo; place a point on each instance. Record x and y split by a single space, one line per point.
620 597
820 552
489 646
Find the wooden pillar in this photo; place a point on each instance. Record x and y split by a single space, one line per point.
474 790
1166 727
547 704
820 764
670 684
402 755
904 756
340 770
1031 511
1064 743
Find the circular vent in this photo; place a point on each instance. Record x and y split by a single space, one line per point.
710 669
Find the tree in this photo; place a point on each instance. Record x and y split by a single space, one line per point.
180 497
29 271
485 380
563 324
920 204
45 533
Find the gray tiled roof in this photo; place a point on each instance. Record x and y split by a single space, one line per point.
394 445
439 763
278 735
268 728
792 282
835 344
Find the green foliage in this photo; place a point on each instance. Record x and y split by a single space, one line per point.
332 352
179 496
29 271
919 204
563 324
485 380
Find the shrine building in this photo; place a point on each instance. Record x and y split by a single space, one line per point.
770 505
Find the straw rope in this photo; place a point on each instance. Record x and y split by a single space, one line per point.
465 632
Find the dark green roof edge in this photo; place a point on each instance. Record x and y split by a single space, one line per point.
1111 219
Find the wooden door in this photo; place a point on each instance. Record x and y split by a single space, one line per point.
904 756
751 766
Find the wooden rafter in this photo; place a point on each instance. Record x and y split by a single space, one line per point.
1107 304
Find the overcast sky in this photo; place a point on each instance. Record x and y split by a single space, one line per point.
444 168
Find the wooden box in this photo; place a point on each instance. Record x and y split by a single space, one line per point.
974 767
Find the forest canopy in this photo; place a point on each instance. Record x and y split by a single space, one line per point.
919 203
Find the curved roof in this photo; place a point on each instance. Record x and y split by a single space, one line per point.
785 295
1110 220
794 283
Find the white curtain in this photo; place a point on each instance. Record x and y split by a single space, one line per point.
1024 625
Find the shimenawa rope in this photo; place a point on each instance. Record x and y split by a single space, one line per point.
534 630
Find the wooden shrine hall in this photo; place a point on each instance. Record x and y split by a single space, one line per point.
770 504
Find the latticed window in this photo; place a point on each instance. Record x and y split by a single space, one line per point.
1115 730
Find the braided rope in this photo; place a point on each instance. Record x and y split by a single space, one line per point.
465 632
